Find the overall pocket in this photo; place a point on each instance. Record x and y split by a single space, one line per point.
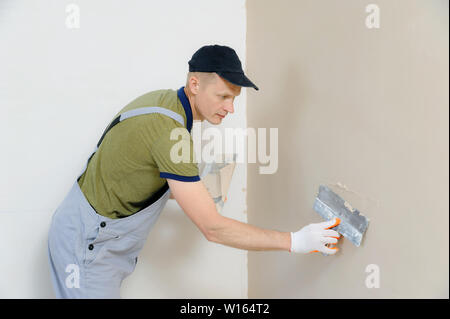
97 242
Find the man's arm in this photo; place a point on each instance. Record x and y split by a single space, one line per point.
196 202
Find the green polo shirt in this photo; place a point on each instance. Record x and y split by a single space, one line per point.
134 160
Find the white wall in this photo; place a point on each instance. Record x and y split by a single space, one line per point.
60 87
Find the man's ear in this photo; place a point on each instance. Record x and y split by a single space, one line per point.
194 84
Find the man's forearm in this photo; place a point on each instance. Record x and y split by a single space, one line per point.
240 235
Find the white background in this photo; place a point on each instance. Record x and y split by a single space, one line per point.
60 87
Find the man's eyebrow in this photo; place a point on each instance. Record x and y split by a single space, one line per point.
226 94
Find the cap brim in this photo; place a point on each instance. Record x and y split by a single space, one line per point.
237 79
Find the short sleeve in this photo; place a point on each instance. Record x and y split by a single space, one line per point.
173 153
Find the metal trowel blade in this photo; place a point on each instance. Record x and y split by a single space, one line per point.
330 205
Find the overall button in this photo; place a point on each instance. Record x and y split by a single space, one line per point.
91 247
102 224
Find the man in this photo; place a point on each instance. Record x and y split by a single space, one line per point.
99 229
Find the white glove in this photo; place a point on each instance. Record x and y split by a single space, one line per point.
314 238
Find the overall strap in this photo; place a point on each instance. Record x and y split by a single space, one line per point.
143 110
132 113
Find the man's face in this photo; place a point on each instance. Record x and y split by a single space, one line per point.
215 99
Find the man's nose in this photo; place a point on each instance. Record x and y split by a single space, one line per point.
229 108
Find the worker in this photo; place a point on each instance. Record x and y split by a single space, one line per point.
98 230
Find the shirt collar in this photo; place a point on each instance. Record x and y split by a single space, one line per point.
187 108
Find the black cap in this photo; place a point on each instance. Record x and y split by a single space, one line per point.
222 60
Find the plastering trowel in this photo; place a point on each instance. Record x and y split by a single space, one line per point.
330 205
216 176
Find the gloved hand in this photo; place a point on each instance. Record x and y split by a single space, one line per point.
313 238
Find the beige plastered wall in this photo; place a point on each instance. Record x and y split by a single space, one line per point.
364 111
